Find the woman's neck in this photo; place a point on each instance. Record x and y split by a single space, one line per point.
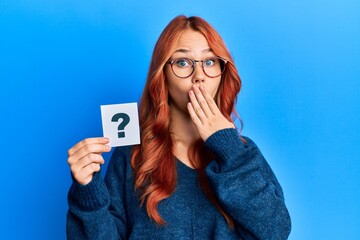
182 128
183 133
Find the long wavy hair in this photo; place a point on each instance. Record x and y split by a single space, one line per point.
153 161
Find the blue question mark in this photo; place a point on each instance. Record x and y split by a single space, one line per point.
125 120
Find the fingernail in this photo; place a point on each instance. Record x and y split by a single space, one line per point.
191 93
107 147
202 87
106 139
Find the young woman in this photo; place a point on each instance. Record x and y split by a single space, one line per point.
193 176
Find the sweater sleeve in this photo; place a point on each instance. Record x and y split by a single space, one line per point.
247 187
95 212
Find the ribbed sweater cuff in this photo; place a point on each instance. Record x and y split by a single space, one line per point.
225 144
91 196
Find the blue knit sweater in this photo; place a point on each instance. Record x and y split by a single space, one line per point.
240 177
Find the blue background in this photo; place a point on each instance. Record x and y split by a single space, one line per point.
299 62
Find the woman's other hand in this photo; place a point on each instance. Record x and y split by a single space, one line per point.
205 113
85 158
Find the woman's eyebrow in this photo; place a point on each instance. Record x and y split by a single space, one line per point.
183 50
207 50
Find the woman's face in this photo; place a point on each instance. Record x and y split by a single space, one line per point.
193 45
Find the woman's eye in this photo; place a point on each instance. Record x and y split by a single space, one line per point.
209 62
183 62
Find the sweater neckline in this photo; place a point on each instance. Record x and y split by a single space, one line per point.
183 165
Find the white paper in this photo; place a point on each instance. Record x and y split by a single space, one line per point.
120 124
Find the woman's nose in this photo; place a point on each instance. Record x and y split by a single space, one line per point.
199 75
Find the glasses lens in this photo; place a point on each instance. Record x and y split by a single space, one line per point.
213 67
182 67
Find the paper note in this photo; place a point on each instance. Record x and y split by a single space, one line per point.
120 124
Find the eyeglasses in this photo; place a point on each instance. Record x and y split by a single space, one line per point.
185 67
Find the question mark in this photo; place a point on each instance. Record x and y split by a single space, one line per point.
125 120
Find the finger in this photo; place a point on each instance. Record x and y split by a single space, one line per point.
76 147
85 161
202 100
196 108
210 101
193 115
85 175
87 149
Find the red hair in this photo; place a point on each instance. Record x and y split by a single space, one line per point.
153 161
